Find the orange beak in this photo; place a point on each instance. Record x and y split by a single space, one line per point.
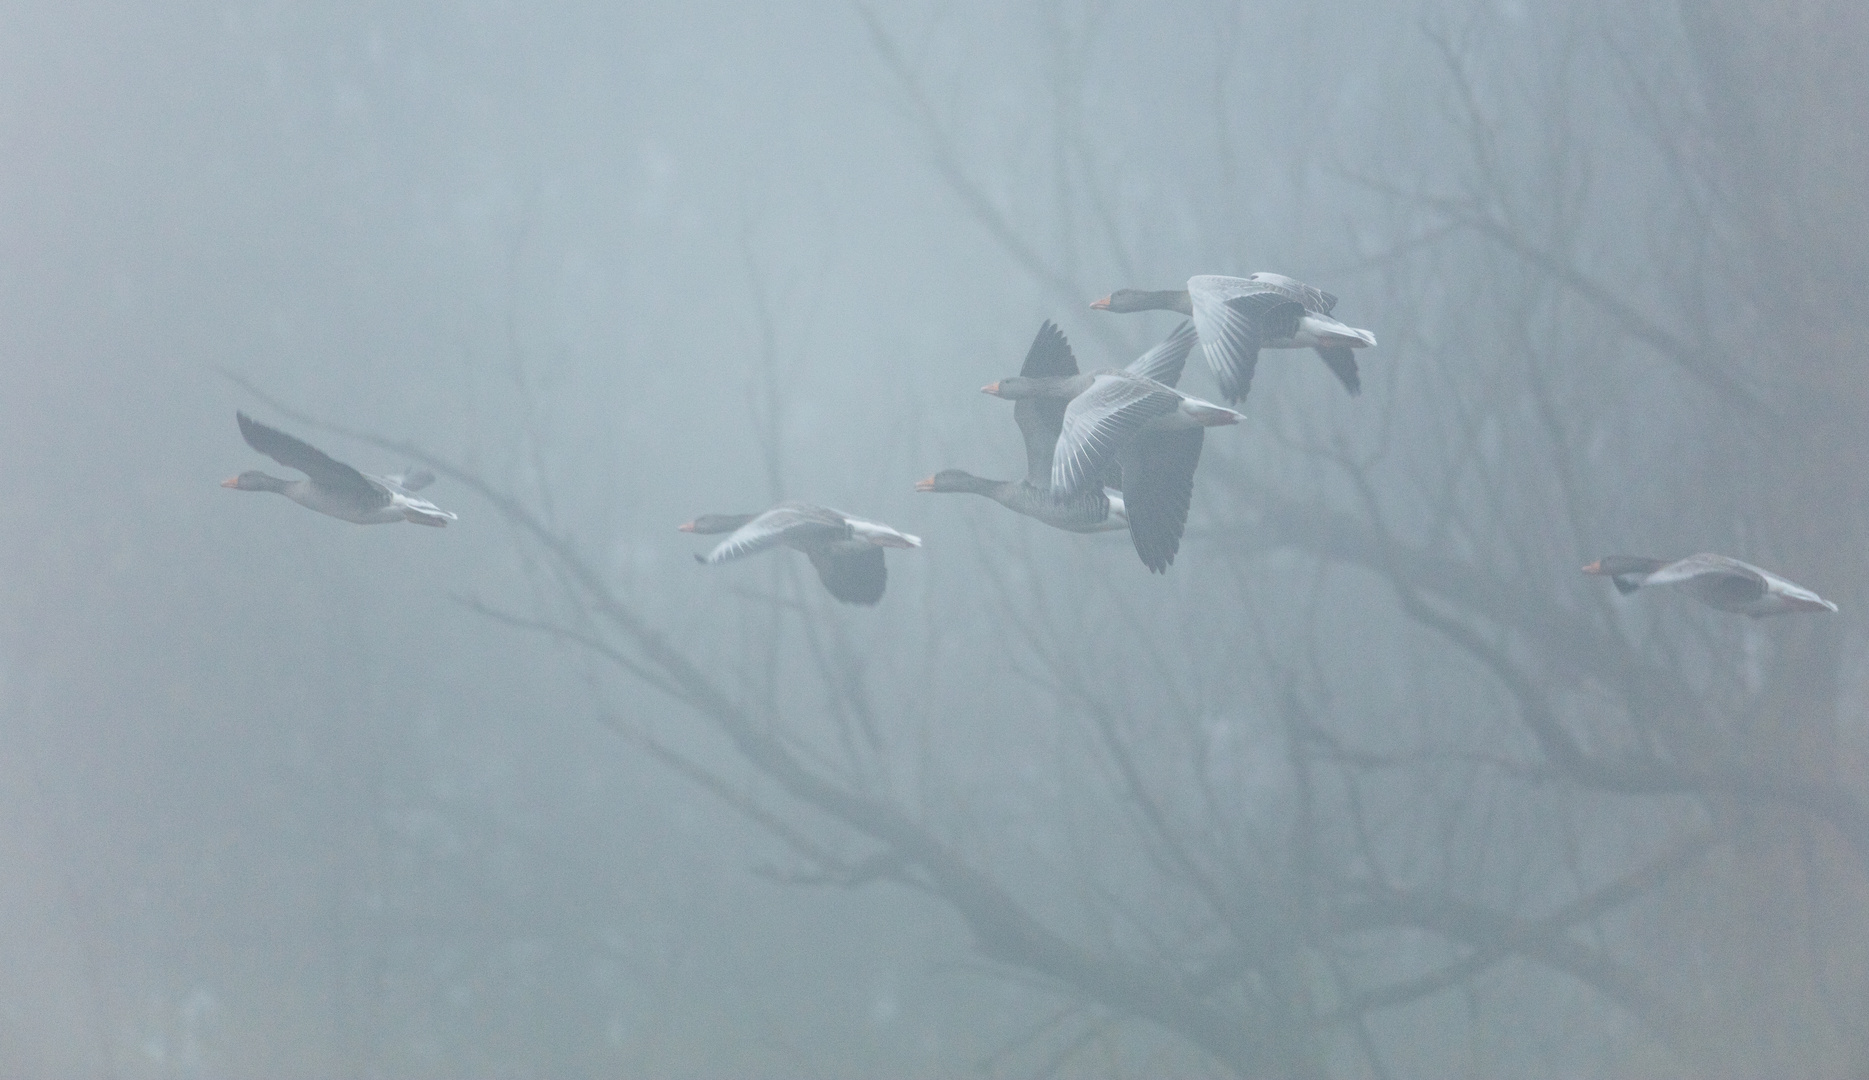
990 388
689 527
1101 305
232 482
925 485
1594 568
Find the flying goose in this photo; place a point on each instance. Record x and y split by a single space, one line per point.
846 551
1714 580
1122 418
1040 419
332 487
1237 317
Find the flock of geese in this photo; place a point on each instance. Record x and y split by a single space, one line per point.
1105 451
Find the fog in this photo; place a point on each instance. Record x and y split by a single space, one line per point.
1371 783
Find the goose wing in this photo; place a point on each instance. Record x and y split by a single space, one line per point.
1164 362
1040 418
1233 321
788 523
1314 299
1341 360
1050 354
1099 422
1700 566
327 472
1715 579
1158 483
854 577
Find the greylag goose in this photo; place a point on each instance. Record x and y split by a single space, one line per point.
1040 420
1121 418
846 551
1714 580
1237 317
332 487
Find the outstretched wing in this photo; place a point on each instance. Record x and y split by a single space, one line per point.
854 578
1342 363
1158 484
328 472
1717 579
780 525
1050 354
1099 422
1233 324
1314 299
1164 362
1040 418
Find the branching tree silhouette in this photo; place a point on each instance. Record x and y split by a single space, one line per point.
1552 789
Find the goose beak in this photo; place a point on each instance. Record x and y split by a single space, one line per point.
1101 305
1594 568
925 485
990 388
688 527
232 482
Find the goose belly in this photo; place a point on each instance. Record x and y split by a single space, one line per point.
1080 515
1080 518
314 498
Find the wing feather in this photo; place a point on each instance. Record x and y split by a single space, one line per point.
854 578
1158 479
1164 362
1099 422
783 524
1049 355
1040 420
1342 363
328 472
1235 317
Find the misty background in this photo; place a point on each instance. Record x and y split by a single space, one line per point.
1373 783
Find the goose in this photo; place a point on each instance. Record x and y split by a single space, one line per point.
1715 580
332 487
1237 317
846 551
1040 419
1122 418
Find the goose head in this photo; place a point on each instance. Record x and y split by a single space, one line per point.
1123 301
254 480
1013 388
951 480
